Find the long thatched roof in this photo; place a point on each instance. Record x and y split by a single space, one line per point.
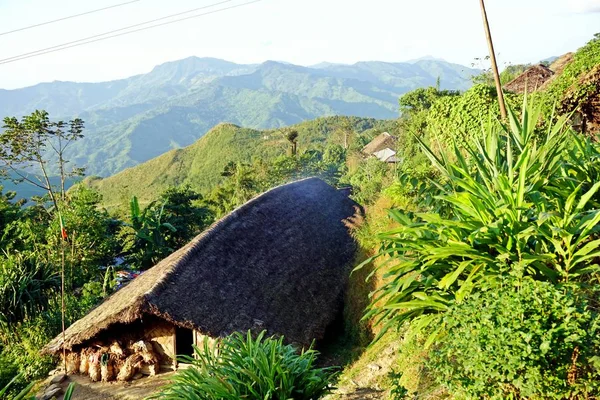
278 262
381 142
530 80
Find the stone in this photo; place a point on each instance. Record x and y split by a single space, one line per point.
49 394
138 376
52 387
58 379
374 367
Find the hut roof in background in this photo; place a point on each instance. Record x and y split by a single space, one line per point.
558 66
530 80
279 263
386 155
381 142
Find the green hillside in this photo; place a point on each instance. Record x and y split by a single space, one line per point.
201 163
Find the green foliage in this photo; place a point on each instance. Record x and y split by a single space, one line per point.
184 209
201 164
91 239
7 393
368 180
30 143
453 118
514 205
25 285
522 340
147 233
423 98
244 367
567 88
163 226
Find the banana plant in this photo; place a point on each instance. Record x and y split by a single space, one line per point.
149 233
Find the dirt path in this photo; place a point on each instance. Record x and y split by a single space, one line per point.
135 390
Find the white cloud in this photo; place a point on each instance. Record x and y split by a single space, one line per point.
584 6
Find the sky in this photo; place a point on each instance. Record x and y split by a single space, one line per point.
303 32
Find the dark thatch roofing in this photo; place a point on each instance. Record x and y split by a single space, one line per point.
278 262
381 142
530 80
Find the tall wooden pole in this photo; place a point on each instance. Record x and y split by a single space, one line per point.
488 34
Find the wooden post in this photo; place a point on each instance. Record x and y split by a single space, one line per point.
488 35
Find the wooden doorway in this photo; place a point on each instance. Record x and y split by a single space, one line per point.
184 342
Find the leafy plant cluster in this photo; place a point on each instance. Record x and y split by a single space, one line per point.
513 205
522 339
250 367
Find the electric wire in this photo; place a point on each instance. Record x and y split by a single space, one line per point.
66 18
103 36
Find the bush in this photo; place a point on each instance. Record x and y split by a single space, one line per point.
512 204
249 368
527 339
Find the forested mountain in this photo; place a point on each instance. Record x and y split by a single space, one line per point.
132 120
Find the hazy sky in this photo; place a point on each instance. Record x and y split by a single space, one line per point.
298 31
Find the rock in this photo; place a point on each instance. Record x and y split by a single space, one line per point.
58 379
49 394
52 387
138 376
53 372
374 367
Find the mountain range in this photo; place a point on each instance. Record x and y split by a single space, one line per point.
132 120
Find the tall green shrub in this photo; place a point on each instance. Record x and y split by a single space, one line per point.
243 367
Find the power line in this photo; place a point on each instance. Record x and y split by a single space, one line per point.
54 48
89 39
69 17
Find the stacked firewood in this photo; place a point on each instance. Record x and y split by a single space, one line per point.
109 363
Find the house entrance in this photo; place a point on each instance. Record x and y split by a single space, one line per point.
184 341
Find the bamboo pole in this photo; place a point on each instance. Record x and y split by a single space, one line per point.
62 289
488 35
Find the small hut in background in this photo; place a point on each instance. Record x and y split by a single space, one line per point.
382 147
530 80
278 263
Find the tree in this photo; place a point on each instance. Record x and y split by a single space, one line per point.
346 132
147 233
183 211
31 143
292 136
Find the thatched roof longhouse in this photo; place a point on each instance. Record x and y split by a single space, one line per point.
278 262
530 80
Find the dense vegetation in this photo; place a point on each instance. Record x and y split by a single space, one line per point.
488 266
484 275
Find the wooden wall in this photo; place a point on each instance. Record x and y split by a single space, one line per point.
162 336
